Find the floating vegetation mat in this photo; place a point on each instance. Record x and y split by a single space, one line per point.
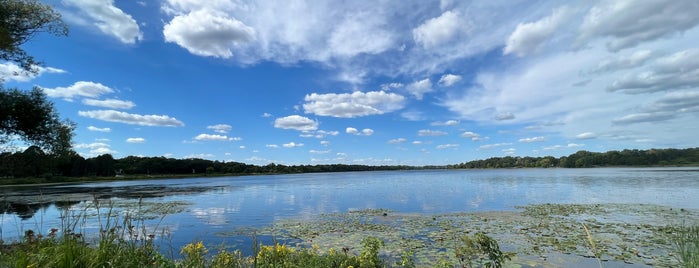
543 235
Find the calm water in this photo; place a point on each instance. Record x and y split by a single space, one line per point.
217 205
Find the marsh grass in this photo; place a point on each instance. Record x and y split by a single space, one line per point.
686 241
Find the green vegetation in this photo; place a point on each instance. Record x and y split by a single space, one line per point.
35 166
686 241
542 235
586 159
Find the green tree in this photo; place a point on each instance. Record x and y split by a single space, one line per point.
31 117
20 20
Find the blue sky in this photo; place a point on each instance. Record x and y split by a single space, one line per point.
370 82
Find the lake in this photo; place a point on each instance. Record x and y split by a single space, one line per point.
209 208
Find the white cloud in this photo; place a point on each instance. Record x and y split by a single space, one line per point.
621 62
292 145
364 132
325 143
628 23
95 149
199 156
471 135
533 139
447 146
133 119
319 134
93 128
9 71
440 30
397 141
296 122
390 86
448 80
504 116
529 37
352 105
490 146
445 123
78 89
427 132
272 146
586 136
319 152
136 140
220 128
215 137
207 32
110 103
509 151
419 88
677 71
109 19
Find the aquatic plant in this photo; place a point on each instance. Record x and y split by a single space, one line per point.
482 249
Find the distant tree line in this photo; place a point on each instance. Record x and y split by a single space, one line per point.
34 162
586 159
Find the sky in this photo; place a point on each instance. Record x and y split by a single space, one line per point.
370 82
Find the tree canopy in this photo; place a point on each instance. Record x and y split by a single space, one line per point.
20 20
32 118
28 115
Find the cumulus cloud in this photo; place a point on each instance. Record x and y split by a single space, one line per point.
325 143
296 122
220 128
364 132
95 148
356 104
215 137
292 145
440 30
133 119
109 19
628 23
471 135
110 103
427 132
93 128
448 80
272 146
78 89
136 140
319 152
207 32
529 37
11 72
319 134
533 139
419 88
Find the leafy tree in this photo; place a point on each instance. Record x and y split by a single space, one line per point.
29 116
20 20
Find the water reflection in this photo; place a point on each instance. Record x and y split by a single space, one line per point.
211 206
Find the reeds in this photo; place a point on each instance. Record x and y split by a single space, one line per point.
686 241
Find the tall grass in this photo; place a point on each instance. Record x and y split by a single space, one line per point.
686 241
